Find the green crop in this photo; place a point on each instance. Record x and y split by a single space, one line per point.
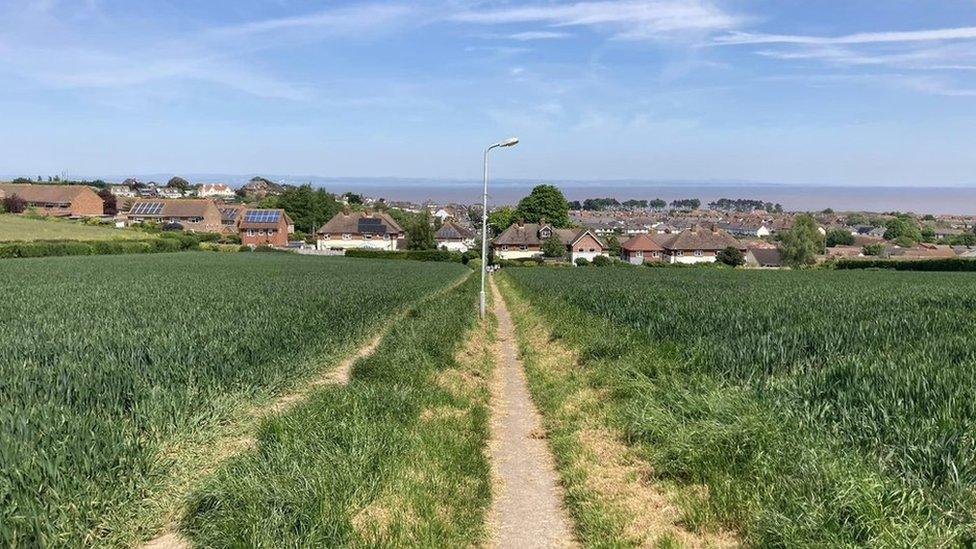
820 408
105 359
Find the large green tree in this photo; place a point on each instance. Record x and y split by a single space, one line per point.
178 183
500 219
839 237
420 232
544 202
904 229
309 208
553 247
801 244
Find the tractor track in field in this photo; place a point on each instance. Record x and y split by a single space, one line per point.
339 375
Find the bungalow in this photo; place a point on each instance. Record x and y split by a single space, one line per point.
696 245
217 190
641 248
198 214
523 240
454 237
767 258
265 226
57 200
360 230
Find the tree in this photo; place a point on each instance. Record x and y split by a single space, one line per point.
613 245
575 205
179 183
308 208
420 233
601 261
903 228
582 262
553 247
875 249
928 234
501 218
658 204
801 244
857 219
353 198
839 237
14 204
544 202
731 256
111 206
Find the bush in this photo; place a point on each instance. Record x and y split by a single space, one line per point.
413 255
264 248
474 264
54 248
582 262
244 248
602 261
945 264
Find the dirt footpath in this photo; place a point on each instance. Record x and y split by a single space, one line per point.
527 508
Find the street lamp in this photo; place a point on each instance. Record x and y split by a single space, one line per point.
484 219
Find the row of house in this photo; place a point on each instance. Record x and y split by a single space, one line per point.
56 200
255 226
379 231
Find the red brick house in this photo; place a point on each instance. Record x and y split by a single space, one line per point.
201 214
641 248
57 200
265 226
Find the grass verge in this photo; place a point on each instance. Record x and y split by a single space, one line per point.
611 491
395 458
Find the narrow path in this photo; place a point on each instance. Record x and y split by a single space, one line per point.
527 508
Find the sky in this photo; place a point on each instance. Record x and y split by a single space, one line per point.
833 92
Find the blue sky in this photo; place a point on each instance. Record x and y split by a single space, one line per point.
827 92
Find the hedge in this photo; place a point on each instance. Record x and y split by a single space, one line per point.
413 255
942 264
98 247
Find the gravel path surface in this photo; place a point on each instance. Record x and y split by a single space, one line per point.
527 508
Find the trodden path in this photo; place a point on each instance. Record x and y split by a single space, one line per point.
527 508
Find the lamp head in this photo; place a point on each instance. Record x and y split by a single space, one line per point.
509 142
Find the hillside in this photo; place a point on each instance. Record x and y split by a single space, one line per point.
15 227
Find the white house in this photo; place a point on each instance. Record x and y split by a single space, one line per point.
454 237
215 190
364 229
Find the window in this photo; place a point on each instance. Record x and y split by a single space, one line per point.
546 233
655 254
271 231
325 236
698 253
250 232
580 250
523 247
592 249
346 236
386 237
678 253
504 248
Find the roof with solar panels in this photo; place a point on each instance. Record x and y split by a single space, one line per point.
347 222
263 218
172 208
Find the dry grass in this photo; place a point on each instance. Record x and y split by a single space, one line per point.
611 494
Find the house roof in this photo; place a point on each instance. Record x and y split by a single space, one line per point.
452 231
641 243
529 234
348 223
924 251
245 223
230 212
194 207
62 194
767 257
698 238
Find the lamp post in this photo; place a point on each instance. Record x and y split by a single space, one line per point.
484 219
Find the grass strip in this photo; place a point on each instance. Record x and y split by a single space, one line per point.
395 458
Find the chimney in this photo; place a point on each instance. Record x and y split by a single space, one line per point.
542 221
521 222
345 210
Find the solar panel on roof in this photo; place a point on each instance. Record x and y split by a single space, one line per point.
371 225
262 216
147 208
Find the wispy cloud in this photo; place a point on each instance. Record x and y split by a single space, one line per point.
630 19
960 33
346 20
538 35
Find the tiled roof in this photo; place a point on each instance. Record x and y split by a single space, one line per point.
44 193
698 238
452 231
198 207
348 223
641 243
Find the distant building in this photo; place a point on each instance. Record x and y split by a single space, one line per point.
641 248
123 191
376 230
524 240
196 214
215 190
696 245
169 192
265 226
454 237
57 200
770 258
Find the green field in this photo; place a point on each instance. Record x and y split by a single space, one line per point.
106 361
21 228
817 408
394 459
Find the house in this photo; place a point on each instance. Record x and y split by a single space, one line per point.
169 192
868 230
746 229
57 200
196 214
215 190
454 237
522 240
641 248
764 258
122 191
445 213
363 229
696 245
230 214
265 226
845 251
